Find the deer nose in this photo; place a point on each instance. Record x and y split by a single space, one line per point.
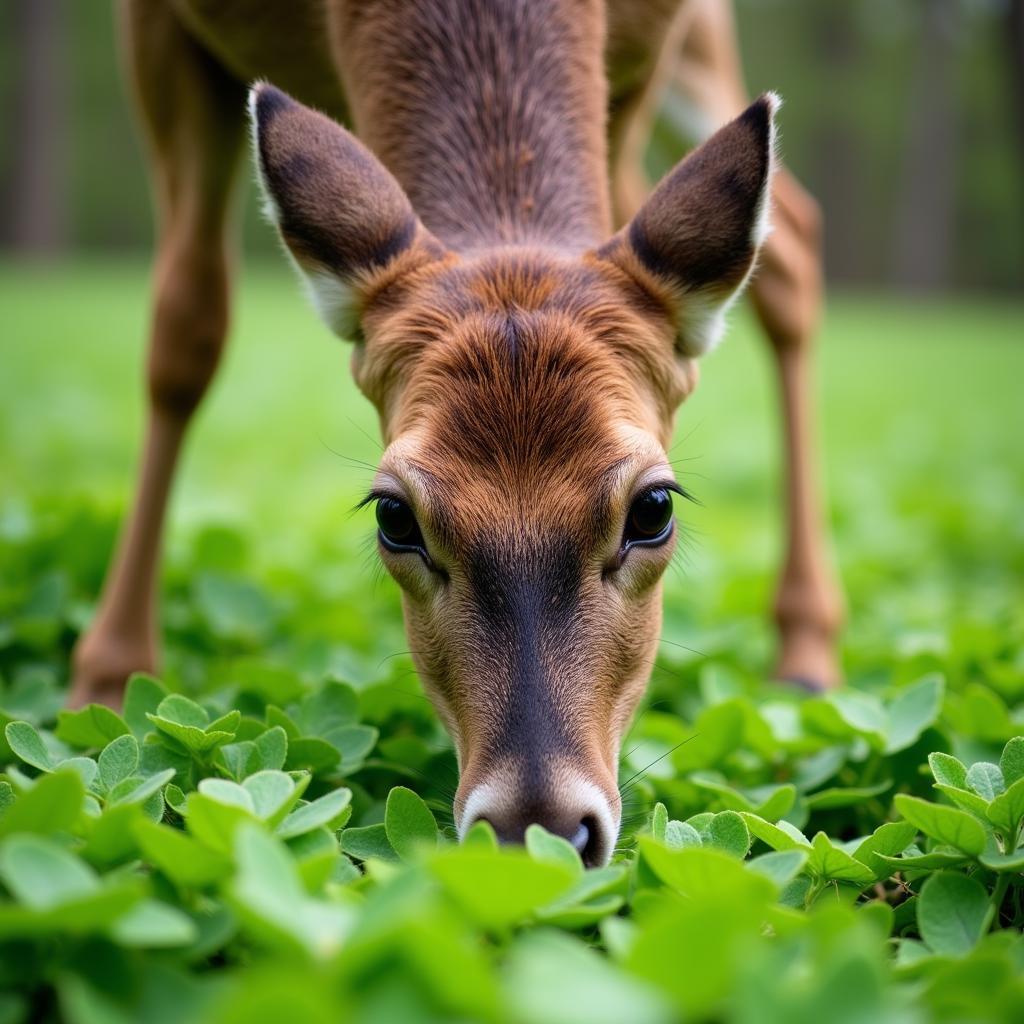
584 835
586 824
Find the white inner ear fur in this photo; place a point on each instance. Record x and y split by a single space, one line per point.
701 317
334 301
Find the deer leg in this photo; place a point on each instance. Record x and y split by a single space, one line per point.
787 294
193 113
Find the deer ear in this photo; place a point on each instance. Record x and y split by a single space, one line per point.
694 242
343 217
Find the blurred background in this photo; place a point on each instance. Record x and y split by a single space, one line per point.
904 117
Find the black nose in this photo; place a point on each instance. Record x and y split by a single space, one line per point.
584 835
580 839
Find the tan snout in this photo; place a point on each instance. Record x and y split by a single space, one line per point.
561 796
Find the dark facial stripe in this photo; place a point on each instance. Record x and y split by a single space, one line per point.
527 605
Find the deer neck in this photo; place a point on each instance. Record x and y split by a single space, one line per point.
490 115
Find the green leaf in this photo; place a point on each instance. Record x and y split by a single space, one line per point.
544 846
230 793
226 723
717 732
334 704
408 823
179 856
323 811
354 742
312 755
268 893
213 821
948 770
1007 810
594 895
141 790
95 725
940 857
913 710
53 804
142 697
695 871
480 836
175 799
1013 862
659 820
194 738
118 760
728 832
951 911
946 824
273 794
272 748
679 834
28 745
499 888
1011 762
828 861
153 925
6 796
552 978
781 836
42 874
887 840
86 768
234 609
781 866
986 780
769 802
237 759
110 840
177 708
844 796
368 841
846 714
966 799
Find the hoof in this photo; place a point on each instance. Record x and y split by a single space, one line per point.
812 686
808 660
100 672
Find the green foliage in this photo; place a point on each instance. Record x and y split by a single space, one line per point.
265 832
218 858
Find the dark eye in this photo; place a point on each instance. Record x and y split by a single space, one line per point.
650 517
397 523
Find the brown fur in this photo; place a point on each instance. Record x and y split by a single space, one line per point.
526 370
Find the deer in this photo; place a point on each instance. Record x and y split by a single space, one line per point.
526 316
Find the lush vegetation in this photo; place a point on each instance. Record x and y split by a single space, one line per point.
265 832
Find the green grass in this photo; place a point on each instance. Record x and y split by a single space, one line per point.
271 587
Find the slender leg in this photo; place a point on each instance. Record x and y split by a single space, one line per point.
193 113
700 59
787 297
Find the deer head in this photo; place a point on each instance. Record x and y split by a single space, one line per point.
526 395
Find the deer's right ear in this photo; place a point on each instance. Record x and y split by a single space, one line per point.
693 244
343 217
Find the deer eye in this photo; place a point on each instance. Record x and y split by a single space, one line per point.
397 524
650 518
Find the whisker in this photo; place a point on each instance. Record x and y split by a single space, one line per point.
692 650
369 437
626 784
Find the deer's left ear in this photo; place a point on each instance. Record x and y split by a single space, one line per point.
694 242
343 217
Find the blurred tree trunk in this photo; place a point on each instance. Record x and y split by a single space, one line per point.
36 189
1015 40
925 221
839 173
